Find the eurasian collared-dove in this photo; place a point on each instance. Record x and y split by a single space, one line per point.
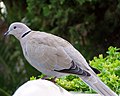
55 56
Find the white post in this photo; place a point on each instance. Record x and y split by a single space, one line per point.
41 88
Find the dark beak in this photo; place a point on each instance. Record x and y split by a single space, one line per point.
6 33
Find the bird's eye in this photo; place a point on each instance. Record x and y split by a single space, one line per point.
14 27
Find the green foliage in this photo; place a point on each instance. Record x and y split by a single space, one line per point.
84 23
33 78
109 67
8 53
68 19
73 83
110 73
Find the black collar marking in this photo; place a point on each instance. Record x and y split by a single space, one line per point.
25 33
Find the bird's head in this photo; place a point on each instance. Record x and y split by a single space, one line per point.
17 29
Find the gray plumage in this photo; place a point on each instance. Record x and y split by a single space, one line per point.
55 56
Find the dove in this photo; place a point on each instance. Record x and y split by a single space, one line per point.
54 56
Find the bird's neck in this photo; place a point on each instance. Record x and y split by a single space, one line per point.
25 34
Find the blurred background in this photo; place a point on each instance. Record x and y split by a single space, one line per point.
90 25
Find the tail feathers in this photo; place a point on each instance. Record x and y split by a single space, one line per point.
96 84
